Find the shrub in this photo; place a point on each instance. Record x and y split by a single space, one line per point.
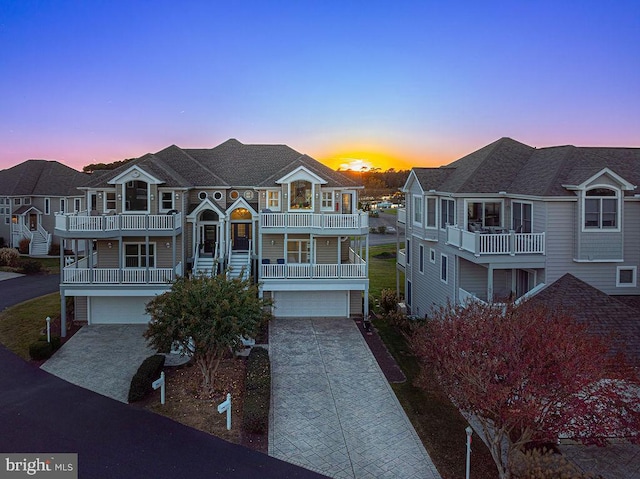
9 257
30 266
382 229
41 350
149 371
54 250
544 464
24 246
255 413
388 301
55 341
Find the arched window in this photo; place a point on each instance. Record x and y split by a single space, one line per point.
601 208
136 196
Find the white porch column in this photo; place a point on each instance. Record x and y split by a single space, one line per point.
490 285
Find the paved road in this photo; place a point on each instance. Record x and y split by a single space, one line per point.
17 290
332 409
42 413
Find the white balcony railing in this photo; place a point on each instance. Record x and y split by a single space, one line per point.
402 216
73 275
329 221
83 222
511 243
308 271
356 268
401 257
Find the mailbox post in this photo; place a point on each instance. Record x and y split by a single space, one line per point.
159 383
226 406
469 432
48 329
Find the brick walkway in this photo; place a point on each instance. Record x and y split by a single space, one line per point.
333 410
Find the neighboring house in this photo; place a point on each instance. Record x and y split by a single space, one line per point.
508 219
265 210
30 195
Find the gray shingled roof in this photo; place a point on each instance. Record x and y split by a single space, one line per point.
41 178
511 166
605 315
227 165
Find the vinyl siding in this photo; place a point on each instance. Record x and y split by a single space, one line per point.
355 303
473 278
80 308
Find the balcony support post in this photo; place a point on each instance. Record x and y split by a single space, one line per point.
512 243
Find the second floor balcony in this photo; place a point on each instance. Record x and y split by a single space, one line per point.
496 242
319 223
83 224
355 268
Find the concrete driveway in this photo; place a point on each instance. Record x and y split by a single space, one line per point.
102 358
332 410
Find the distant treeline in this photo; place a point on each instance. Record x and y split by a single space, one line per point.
105 166
376 181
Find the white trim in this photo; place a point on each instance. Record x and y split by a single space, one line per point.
625 185
421 259
134 173
619 197
301 173
634 282
413 210
432 255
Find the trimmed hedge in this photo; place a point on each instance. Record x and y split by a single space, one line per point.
255 414
149 371
41 349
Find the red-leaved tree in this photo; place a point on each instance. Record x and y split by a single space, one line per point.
528 373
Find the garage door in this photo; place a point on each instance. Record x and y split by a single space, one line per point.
311 304
118 310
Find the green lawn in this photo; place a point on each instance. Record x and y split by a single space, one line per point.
22 324
382 271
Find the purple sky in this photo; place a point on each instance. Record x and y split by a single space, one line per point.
389 83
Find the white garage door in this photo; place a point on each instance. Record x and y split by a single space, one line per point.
118 310
311 304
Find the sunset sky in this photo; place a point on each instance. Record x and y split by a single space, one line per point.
351 83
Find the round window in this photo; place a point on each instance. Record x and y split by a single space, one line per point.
248 194
202 195
234 195
217 195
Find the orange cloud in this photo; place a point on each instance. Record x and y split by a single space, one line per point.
359 160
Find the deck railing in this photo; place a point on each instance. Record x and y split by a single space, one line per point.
511 243
73 275
84 222
356 268
327 221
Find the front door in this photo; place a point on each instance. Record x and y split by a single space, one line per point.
33 221
347 206
208 234
240 236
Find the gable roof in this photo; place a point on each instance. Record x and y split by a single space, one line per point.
605 315
41 178
510 166
230 164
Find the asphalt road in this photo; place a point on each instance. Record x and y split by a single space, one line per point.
40 413
17 290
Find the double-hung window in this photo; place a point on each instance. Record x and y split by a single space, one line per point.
447 212
430 215
166 200
417 210
601 207
327 200
135 255
273 200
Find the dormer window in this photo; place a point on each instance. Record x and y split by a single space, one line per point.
301 195
601 209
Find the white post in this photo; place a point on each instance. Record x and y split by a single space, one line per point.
48 329
469 432
226 406
159 383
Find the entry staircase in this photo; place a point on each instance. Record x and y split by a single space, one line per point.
239 265
205 265
39 245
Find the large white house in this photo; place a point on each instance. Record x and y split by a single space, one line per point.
262 210
508 219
